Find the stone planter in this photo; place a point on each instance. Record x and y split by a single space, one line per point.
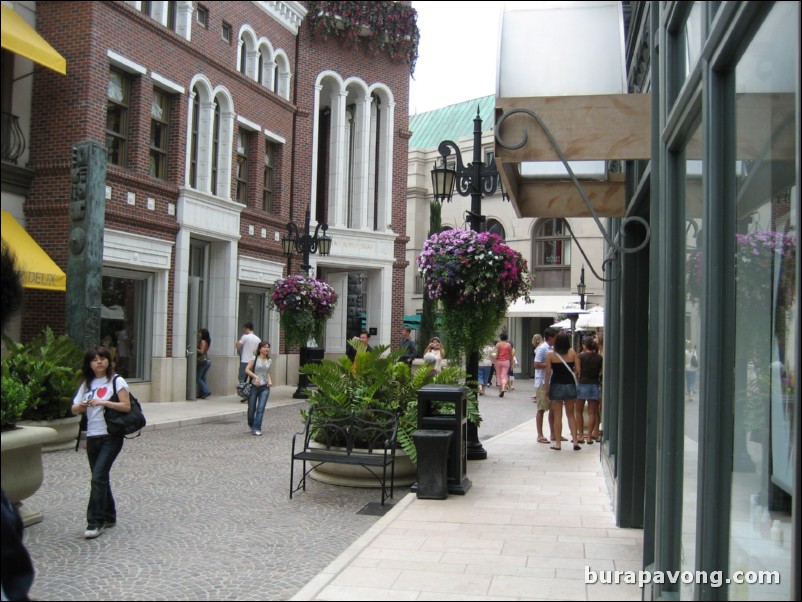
22 471
357 476
66 431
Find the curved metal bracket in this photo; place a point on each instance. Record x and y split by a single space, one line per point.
466 176
615 248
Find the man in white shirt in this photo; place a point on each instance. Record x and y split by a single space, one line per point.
246 345
541 387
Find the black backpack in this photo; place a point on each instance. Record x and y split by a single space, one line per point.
118 423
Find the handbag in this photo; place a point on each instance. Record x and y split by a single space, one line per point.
494 354
244 389
119 423
202 358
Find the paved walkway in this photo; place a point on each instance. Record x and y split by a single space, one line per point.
528 527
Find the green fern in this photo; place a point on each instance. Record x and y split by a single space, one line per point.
375 381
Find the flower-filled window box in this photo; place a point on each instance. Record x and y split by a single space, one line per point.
378 27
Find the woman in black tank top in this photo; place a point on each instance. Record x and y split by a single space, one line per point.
562 365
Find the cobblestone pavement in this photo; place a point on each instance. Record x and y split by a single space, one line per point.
204 514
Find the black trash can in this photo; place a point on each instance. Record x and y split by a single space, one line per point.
431 400
433 449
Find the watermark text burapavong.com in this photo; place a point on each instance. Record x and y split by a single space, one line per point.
714 578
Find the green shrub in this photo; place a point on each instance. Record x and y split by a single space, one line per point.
14 401
375 382
49 367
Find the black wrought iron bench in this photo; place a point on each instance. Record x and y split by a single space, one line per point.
366 438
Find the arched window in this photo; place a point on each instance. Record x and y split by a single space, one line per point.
494 227
551 263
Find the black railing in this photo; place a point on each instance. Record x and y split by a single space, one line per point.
13 138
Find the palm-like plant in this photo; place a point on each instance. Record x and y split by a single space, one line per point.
374 380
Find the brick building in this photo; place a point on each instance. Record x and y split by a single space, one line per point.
223 121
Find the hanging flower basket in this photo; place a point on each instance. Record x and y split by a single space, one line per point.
304 304
476 276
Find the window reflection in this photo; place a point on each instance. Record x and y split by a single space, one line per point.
123 328
767 311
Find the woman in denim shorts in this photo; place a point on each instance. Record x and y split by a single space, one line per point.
562 364
589 389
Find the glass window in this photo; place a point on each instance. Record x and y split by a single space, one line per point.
243 57
267 185
117 103
552 254
202 16
767 308
193 146
216 147
494 227
159 134
694 289
125 321
242 167
225 32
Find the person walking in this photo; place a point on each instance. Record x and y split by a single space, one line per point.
93 397
541 390
246 345
691 370
408 345
350 350
504 357
259 371
204 363
485 361
589 389
562 363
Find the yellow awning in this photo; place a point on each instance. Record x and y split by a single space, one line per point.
38 270
20 38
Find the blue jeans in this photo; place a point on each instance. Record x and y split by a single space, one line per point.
256 406
101 452
242 375
484 375
203 368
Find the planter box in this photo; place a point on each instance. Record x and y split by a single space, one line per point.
357 476
66 431
22 471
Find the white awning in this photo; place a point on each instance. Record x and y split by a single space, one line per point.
593 319
541 306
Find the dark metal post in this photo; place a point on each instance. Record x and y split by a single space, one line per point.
85 260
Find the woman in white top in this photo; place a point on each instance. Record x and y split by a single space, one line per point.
259 371
434 354
93 397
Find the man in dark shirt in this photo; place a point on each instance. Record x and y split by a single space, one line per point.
411 349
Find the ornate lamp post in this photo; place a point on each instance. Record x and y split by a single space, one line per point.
580 288
475 180
305 243
574 315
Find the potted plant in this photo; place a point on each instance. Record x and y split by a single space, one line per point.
304 304
48 367
377 380
476 276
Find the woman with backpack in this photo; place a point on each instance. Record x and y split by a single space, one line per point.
100 389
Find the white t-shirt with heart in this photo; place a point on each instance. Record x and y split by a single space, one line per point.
101 388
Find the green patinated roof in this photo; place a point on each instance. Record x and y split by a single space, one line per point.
450 123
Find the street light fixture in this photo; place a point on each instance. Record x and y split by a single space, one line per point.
475 180
306 244
581 288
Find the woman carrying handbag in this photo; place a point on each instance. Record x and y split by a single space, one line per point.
562 364
259 371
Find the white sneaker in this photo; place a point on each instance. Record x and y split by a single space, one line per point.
258 433
92 533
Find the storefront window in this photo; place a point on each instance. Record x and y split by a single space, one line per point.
125 324
767 310
694 291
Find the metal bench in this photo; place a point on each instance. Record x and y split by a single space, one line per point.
366 438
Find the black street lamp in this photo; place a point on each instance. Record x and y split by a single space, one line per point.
475 180
306 244
580 288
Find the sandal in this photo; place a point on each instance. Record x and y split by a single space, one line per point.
555 447
577 448
542 440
